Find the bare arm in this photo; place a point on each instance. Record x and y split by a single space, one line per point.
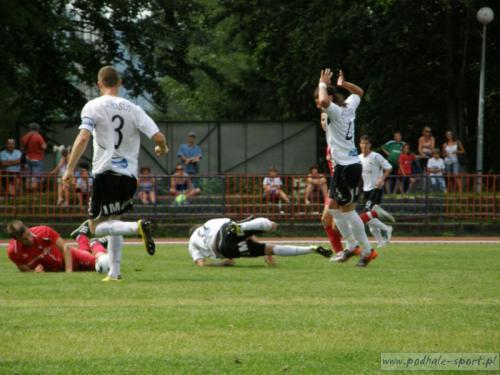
324 80
349 86
461 149
79 147
222 263
68 259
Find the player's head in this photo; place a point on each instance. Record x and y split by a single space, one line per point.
20 232
450 136
397 136
108 78
365 144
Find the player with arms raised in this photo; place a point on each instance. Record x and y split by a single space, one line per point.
116 124
344 188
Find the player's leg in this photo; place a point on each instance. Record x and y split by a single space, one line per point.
348 187
331 230
99 245
82 260
256 249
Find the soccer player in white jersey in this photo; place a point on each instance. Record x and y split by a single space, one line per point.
344 187
115 124
225 239
375 170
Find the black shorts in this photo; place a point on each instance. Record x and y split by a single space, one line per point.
112 194
233 246
344 186
371 198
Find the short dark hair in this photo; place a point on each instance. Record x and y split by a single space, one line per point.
34 126
108 76
314 166
365 138
15 229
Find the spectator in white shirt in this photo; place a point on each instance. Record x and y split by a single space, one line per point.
272 187
435 169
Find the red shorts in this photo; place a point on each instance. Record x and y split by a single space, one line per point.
82 260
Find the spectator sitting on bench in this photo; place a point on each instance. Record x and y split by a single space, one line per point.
316 183
146 184
272 187
181 186
83 185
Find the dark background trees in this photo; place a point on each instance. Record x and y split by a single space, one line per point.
244 60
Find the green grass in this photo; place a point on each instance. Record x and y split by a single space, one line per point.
305 316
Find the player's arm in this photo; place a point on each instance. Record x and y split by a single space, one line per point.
68 259
349 86
325 79
79 147
24 268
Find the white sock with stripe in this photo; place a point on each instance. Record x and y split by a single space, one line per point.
358 231
344 228
287 250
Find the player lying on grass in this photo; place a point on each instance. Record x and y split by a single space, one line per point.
41 249
225 239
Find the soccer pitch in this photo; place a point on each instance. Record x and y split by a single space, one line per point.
305 316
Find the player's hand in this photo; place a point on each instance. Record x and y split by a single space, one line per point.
159 151
326 76
270 260
39 268
340 80
68 177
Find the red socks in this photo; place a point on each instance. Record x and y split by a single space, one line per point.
335 238
367 216
83 242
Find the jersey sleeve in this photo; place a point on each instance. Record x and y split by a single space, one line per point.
50 234
88 117
194 251
333 111
145 124
383 162
11 253
353 101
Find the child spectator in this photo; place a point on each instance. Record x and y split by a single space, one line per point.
435 169
316 183
272 187
405 162
147 183
83 185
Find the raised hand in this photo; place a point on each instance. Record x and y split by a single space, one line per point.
326 76
340 80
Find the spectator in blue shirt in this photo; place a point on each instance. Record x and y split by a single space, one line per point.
10 162
190 154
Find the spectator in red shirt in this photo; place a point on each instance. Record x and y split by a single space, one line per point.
405 161
34 146
41 249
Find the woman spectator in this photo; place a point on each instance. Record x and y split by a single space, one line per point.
147 193
426 145
272 187
451 149
181 186
62 189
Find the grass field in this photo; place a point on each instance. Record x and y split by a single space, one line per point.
305 316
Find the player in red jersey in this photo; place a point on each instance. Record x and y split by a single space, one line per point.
41 249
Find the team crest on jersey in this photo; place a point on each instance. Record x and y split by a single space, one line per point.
119 163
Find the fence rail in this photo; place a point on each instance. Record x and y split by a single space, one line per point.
468 197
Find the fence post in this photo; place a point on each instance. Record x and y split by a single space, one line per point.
426 189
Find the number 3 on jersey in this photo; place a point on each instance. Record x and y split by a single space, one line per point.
118 129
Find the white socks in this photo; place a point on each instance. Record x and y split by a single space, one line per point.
115 244
358 231
260 223
377 234
285 251
116 228
376 223
343 227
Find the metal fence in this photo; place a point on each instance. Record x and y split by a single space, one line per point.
470 198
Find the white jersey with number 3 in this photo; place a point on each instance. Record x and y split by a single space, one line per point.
115 124
340 131
202 241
